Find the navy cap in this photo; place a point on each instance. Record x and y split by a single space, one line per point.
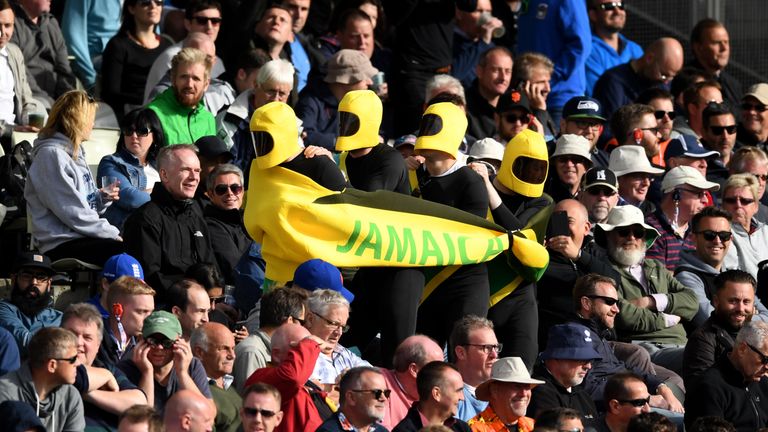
513 99
583 107
317 274
34 260
570 341
688 146
122 265
211 147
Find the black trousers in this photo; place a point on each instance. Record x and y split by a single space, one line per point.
89 249
516 320
407 91
386 302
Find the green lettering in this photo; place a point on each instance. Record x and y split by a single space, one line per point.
494 248
371 241
463 257
450 247
407 244
351 240
430 249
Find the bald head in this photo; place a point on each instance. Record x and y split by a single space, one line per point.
284 337
573 208
188 410
201 41
418 350
663 59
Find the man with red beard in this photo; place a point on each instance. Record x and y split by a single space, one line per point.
30 307
734 305
180 108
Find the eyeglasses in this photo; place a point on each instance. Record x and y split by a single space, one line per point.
636 402
70 360
218 299
277 94
653 130
139 131
661 113
699 194
221 189
710 235
718 130
741 200
40 277
201 20
512 118
377 393
158 342
253 412
148 3
488 348
757 107
761 177
636 231
763 357
298 320
601 190
586 124
609 301
611 6
343 327
572 158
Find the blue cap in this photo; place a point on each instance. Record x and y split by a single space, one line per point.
570 341
688 146
122 265
583 107
317 274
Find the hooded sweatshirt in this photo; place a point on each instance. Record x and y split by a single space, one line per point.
61 411
62 198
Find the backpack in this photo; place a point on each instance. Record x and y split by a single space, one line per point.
14 168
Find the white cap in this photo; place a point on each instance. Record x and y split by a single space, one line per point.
681 175
570 144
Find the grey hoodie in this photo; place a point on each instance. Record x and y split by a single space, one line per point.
62 199
61 411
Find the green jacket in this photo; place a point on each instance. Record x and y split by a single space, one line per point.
634 323
182 125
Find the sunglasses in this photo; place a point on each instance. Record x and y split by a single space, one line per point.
70 360
660 114
609 301
699 194
139 131
611 6
762 177
718 130
217 300
489 348
756 107
763 357
222 189
636 402
653 130
710 235
253 412
298 320
41 277
201 20
636 231
740 200
158 342
512 118
148 3
377 393
601 190
572 158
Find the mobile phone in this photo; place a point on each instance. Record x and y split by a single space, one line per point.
240 325
558 224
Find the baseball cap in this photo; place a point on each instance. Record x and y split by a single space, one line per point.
34 260
122 265
600 176
513 99
409 139
211 147
570 341
487 148
507 369
570 144
583 107
758 91
317 274
348 67
688 146
681 175
161 322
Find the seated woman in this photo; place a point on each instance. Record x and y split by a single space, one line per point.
133 164
749 244
63 202
129 55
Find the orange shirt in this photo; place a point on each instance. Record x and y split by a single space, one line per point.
488 421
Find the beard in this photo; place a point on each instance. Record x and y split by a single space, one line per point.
625 257
30 301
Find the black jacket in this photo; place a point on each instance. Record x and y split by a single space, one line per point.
167 236
554 395
412 423
229 238
722 392
705 345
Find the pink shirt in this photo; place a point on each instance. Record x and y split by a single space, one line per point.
398 403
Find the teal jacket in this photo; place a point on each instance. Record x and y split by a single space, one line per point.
634 324
182 125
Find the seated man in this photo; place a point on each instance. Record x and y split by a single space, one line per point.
102 405
162 363
261 408
440 390
599 193
635 175
362 391
626 396
180 108
45 380
131 300
508 392
563 366
188 411
652 302
494 74
734 388
568 164
115 267
584 116
753 125
475 349
30 307
512 115
189 301
214 345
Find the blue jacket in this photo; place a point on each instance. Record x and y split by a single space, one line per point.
9 353
22 327
603 57
133 183
87 26
560 30
319 110
470 406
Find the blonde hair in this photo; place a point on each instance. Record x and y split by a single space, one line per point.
737 181
746 154
73 112
125 286
189 56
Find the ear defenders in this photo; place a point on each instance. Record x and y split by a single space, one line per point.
637 135
117 310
